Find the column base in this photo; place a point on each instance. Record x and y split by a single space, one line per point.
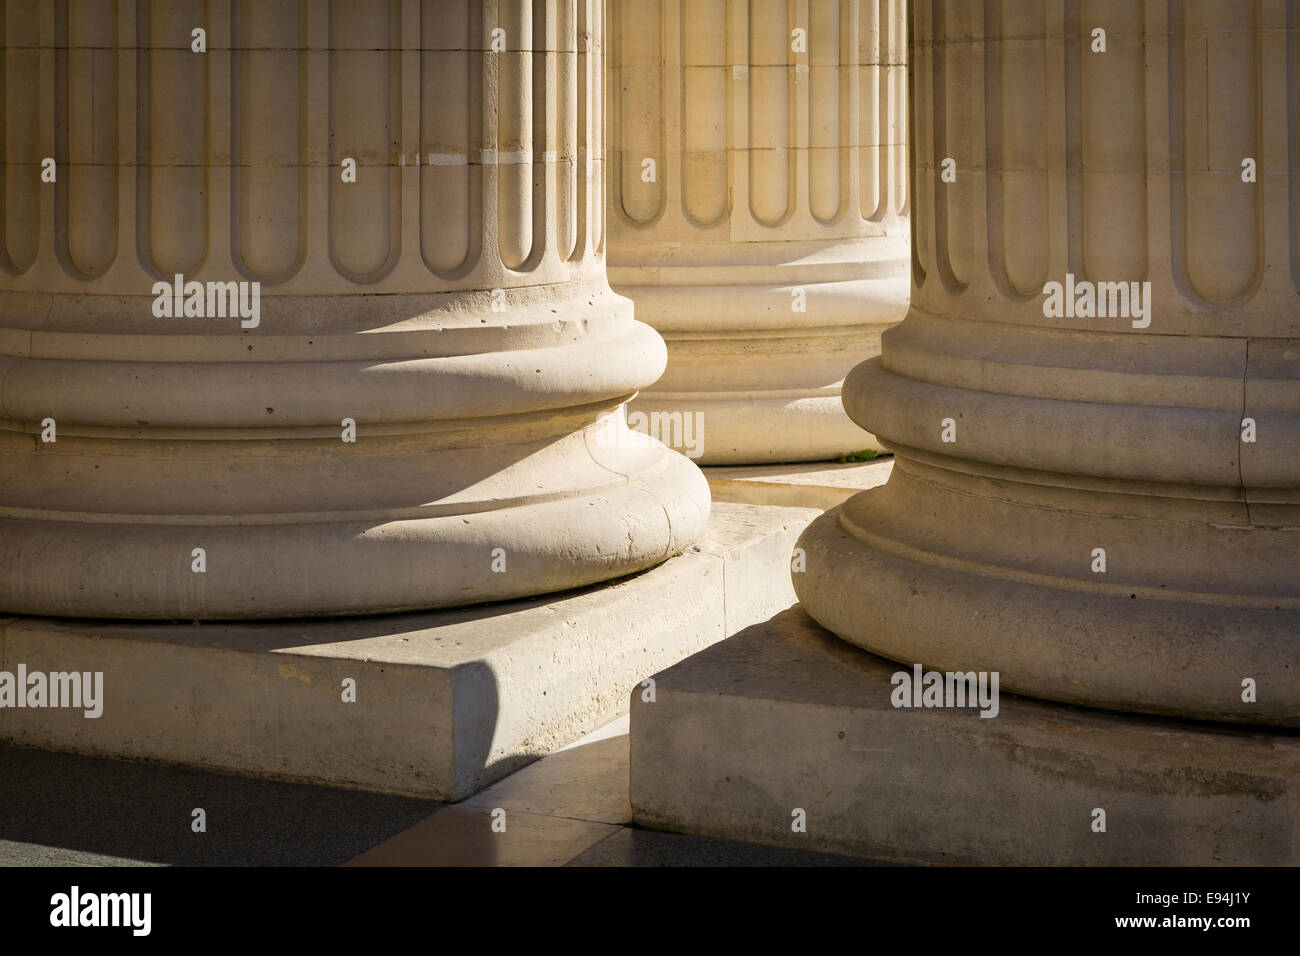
402 524
961 572
787 716
760 337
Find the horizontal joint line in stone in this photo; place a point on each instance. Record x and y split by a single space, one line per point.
210 48
1110 35
434 159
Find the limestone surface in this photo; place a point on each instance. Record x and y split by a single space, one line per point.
440 704
310 315
758 214
1094 402
787 717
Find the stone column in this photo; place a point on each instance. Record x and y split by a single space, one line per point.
1099 499
446 306
758 213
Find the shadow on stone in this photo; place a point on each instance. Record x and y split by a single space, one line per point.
60 809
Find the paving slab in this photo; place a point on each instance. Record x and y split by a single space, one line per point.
633 847
478 836
59 809
587 780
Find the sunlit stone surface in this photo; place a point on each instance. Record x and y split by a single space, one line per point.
449 307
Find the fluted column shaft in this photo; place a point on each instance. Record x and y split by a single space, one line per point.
418 189
758 211
1101 503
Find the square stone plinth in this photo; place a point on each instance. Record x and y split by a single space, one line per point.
785 716
446 702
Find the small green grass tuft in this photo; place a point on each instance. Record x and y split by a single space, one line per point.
865 455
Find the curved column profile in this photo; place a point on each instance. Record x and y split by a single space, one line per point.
1095 494
425 408
758 213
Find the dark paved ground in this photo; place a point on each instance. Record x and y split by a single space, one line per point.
61 810
632 847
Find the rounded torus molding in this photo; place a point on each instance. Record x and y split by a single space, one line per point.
421 403
1094 401
758 214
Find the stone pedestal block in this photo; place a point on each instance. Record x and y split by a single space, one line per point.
785 716
758 213
442 702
